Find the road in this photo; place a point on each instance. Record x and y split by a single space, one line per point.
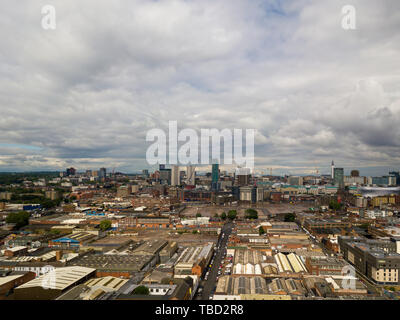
209 285
372 288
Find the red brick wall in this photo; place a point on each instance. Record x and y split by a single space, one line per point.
117 274
15 283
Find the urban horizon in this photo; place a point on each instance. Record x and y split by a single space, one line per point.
203 169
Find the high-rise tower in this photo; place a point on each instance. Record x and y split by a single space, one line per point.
215 177
190 175
175 177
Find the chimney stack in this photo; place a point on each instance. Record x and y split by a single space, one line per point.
58 255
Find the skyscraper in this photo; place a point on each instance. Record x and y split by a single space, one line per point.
332 170
396 174
190 175
215 177
295 181
165 176
338 177
243 176
175 177
102 173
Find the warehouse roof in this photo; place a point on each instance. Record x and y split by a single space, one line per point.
192 255
289 263
150 247
16 249
244 256
241 285
114 262
59 278
107 283
4 280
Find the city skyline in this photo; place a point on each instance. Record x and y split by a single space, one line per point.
204 169
84 95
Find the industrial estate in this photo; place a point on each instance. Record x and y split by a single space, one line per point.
179 233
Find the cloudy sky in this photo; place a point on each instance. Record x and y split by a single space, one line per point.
85 94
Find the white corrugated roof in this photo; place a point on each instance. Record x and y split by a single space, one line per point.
106 283
296 263
333 282
16 248
4 280
283 263
59 278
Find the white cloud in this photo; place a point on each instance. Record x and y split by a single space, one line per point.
110 72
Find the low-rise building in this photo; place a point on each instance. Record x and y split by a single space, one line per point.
284 286
168 251
231 288
13 280
289 264
194 260
325 265
53 284
376 259
15 251
116 265
74 240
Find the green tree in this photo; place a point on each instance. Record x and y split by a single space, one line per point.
216 215
194 231
261 231
335 205
223 216
198 215
232 214
364 226
48 204
105 225
141 290
251 214
290 217
20 219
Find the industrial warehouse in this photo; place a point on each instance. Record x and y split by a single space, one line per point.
53 284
